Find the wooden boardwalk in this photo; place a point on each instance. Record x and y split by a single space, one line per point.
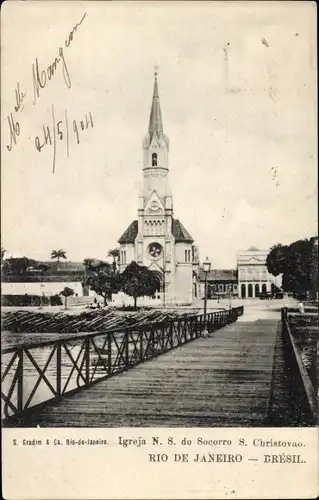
228 379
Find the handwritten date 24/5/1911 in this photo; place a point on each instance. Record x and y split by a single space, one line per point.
60 130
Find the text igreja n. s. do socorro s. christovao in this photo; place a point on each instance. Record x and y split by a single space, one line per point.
198 450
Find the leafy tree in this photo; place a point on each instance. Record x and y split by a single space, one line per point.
138 281
294 262
57 255
66 292
43 268
102 279
16 265
115 253
276 261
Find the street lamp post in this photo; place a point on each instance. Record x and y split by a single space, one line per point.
230 295
206 268
163 269
164 284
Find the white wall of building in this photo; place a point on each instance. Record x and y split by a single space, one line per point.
46 288
253 276
183 273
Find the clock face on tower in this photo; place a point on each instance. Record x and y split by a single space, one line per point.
154 206
155 250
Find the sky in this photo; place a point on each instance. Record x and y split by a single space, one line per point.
237 84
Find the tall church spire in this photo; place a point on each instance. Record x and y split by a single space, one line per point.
155 124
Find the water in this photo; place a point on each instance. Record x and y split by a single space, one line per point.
41 356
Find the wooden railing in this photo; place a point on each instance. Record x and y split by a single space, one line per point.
40 372
302 392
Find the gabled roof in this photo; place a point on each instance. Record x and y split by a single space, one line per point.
179 232
130 234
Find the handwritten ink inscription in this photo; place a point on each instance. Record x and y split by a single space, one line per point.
60 130
14 126
274 172
40 79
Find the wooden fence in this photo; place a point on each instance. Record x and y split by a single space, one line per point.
303 395
40 372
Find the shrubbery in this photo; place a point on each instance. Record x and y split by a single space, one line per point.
30 300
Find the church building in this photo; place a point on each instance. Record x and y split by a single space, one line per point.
156 239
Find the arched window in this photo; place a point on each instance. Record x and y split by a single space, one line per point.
154 160
256 290
250 290
243 291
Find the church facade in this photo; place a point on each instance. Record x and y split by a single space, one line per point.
156 239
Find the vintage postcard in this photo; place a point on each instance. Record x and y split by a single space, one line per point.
159 250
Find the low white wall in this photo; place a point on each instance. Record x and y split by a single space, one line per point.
47 288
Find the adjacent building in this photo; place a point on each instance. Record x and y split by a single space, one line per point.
49 282
253 276
220 283
157 239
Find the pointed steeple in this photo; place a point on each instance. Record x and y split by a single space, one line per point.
155 125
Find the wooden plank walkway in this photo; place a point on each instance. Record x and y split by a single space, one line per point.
223 380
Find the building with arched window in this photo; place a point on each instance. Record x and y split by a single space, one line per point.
156 239
253 276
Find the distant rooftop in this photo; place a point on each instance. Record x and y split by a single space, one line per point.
179 232
218 275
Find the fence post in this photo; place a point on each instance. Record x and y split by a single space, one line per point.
87 360
109 353
284 318
126 348
20 382
141 345
58 368
179 331
171 326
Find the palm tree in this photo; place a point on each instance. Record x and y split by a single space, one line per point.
58 254
115 253
88 262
